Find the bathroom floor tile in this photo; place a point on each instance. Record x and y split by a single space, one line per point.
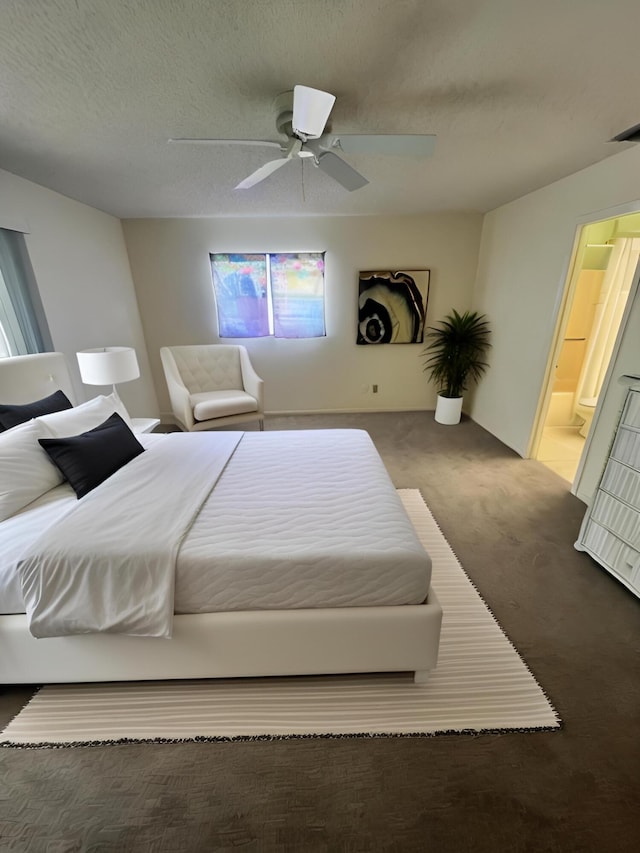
560 449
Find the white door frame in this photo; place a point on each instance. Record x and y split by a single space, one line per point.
564 297
633 295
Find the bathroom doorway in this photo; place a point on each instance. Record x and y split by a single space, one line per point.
597 288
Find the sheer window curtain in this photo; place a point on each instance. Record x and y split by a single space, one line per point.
616 285
23 327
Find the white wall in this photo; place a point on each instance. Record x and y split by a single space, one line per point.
81 267
524 259
171 272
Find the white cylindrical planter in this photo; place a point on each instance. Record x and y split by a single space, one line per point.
448 410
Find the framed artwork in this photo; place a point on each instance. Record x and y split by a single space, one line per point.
392 306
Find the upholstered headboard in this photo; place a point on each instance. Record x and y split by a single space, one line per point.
25 378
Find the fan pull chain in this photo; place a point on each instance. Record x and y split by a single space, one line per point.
304 200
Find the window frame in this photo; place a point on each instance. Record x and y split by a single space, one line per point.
272 319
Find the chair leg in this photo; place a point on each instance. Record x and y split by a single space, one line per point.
261 422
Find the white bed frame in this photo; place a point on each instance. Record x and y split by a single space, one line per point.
214 645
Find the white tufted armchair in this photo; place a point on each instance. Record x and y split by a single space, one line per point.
211 385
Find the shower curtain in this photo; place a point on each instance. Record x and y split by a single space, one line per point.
609 310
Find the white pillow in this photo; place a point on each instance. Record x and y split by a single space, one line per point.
81 418
26 472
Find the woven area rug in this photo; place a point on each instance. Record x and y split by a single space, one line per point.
480 685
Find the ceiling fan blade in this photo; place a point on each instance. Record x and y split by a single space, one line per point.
400 144
340 171
311 108
262 173
256 142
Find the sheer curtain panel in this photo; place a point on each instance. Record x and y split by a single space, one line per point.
23 327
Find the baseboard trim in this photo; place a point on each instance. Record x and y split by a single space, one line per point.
279 412
168 419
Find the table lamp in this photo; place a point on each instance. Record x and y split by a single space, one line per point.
108 366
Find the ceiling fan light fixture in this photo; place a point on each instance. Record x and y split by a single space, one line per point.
311 108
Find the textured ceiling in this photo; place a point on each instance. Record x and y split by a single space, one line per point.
519 95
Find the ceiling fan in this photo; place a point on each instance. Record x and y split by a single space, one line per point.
301 117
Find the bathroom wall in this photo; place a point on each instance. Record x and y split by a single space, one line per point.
579 324
591 264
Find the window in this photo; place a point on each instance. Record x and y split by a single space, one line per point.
23 328
269 294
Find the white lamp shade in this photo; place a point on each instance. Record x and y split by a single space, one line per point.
108 365
311 108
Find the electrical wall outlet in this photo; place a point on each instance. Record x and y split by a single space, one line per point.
374 388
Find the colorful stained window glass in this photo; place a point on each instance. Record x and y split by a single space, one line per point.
269 294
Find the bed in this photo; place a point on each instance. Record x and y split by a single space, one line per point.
296 557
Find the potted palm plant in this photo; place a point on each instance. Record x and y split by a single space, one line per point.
454 355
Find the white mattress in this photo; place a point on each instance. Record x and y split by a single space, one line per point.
298 519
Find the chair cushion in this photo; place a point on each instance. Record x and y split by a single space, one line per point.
222 404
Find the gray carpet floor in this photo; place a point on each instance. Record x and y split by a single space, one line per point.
512 523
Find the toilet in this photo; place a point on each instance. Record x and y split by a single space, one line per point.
585 409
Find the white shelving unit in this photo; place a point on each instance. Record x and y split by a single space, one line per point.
610 532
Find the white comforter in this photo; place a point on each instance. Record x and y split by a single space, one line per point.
302 519
108 565
296 519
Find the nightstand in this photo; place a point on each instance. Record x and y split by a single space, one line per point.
144 424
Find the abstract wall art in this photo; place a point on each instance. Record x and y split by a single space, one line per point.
392 306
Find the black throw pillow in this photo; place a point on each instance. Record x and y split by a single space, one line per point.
89 459
11 415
